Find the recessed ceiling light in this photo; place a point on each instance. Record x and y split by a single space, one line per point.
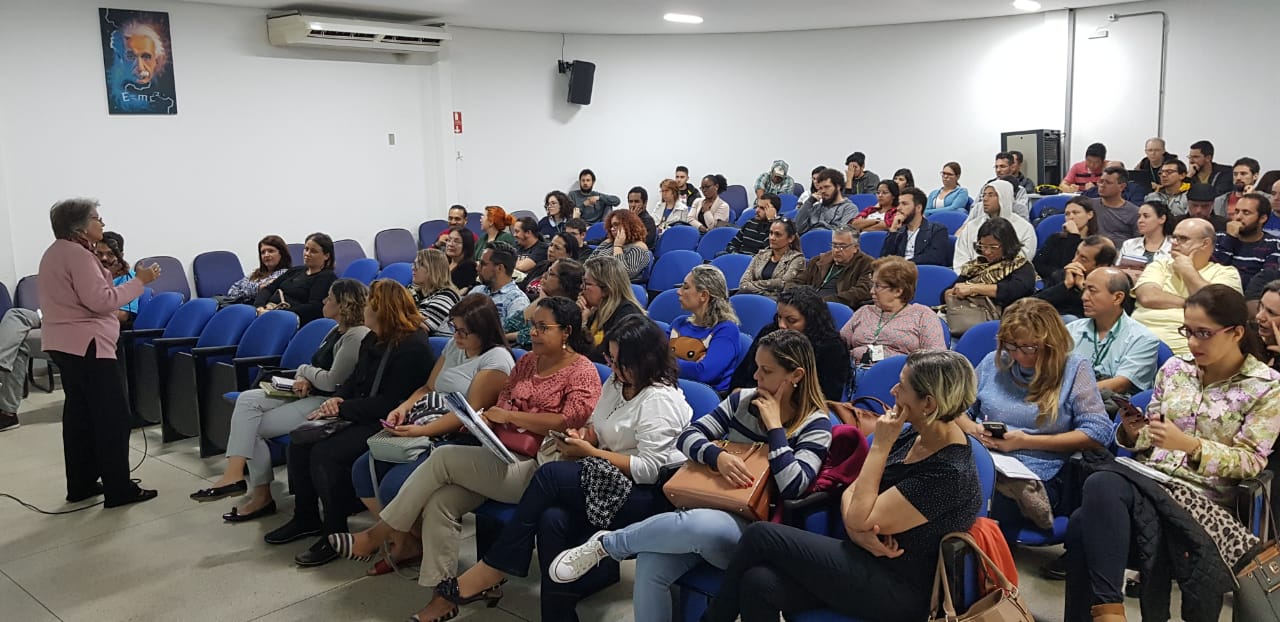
682 18
1026 5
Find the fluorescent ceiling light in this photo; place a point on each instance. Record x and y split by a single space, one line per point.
1026 5
681 18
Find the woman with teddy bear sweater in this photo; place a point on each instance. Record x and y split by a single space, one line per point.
706 343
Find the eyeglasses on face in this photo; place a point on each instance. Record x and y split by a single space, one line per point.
982 248
842 247
461 331
1202 334
1010 347
541 327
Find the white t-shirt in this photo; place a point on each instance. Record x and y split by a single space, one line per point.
459 371
644 427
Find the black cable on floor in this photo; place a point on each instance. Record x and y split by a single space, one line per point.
91 505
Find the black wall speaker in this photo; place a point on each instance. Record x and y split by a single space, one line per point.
582 75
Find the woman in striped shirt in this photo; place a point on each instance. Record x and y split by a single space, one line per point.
786 411
432 291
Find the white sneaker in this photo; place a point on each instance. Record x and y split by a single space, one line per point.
570 565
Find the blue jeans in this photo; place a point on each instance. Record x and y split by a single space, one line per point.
668 545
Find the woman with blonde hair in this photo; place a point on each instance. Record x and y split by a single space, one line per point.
433 291
606 299
669 210
497 228
1048 402
706 343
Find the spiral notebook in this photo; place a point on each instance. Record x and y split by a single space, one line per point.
478 427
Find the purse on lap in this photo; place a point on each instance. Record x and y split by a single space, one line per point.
697 485
965 313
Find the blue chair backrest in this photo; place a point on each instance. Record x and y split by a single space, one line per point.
986 473
744 346
400 272
840 313
158 311
931 282
517 353
788 201
714 241
978 341
172 277
604 372
215 272
362 270
666 328
733 267
305 342
754 311
473 223
815 243
6 302
190 319
269 334
1142 400
344 253
670 269
429 231
863 201
640 294
1049 226
949 218
665 307
797 189
736 197
227 326
295 253
678 238
700 397
437 345
523 213
394 246
597 232
747 215
145 299
1163 353
27 294
1057 201
872 242
879 380
946 332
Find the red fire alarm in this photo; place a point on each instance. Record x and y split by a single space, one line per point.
457 122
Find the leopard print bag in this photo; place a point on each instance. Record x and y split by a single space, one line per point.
1232 537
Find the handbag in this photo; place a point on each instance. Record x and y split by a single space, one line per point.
387 447
1003 604
697 485
317 430
1257 597
965 313
519 441
861 418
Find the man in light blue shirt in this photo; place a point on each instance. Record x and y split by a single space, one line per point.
496 266
1122 350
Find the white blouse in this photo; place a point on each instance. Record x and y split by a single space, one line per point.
644 427
1136 247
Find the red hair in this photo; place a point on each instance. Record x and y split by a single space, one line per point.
629 222
499 217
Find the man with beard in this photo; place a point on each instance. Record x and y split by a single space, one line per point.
915 239
1245 176
1244 245
829 209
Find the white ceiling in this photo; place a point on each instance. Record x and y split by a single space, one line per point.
645 16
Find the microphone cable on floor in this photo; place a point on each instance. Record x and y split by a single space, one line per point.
33 508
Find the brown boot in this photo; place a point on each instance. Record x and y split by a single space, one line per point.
1111 612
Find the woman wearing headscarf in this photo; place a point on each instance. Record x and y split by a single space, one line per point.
996 200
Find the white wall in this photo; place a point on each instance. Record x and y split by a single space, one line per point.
266 140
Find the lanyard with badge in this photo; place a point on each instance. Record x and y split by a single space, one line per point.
1100 351
875 351
832 273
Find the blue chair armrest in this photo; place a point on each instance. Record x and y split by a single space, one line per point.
211 351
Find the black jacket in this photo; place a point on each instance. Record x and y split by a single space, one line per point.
1054 255
1065 299
407 368
304 293
933 245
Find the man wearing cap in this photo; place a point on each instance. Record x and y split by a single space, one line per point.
775 180
1200 200
1244 245
1172 192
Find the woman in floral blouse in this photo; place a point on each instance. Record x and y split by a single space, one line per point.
1211 423
273 260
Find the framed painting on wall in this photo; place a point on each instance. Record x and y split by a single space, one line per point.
137 54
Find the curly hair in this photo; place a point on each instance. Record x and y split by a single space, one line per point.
819 326
568 316
397 316
351 296
565 203
630 224
570 273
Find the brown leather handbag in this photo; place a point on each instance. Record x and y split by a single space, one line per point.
1002 604
696 485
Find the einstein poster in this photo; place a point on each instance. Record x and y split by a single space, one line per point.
138 56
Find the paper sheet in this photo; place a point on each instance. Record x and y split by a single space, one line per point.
1012 467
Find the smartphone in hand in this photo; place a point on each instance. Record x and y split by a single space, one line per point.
558 435
996 428
386 424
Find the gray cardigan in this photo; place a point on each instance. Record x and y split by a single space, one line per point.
345 354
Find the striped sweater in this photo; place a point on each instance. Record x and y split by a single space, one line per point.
793 461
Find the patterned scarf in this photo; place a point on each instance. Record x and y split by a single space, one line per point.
606 489
979 272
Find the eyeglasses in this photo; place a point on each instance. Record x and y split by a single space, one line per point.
461 331
878 286
782 219
1010 346
1201 333
540 327
842 247
980 247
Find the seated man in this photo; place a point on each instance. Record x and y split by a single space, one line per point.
829 209
591 203
1200 200
638 203
531 248
1173 189
858 179
1122 350
1092 253
754 235
1165 284
457 218
1244 245
775 180
577 228
915 239
1203 170
496 266
1245 175
1084 176
1117 217
842 274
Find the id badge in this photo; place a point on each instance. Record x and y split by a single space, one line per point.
877 352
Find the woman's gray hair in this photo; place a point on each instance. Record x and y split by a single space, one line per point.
70 217
709 280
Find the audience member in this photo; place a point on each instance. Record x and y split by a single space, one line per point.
1203 170
1123 352
950 195
842 274
1084 175
892 324
826 207
1000 272
1015 171
638 203
1048 400
773 268
1117 217
813 182
913 237
457 217
459 248
79 330
801 309
559 210
395 358
531 249
1172 190
753 237
1164 286
259 416
858 180
711 211
590 204
302 289
1244 176
706 342
997 202
273 260
433 292
1059 248
686 191
1155 236
1244 245
671 209
1268 321
775 180
917 485
112 258
786 411
1156 157
495 280
606 300
15 354
577 228
904 178
879 217
1093 252
1211 423
1004 167
496 227
625 242
564 279
1021 200
1200 200
562 246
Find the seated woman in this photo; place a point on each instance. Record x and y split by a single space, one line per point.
801 309
1059 249
302 289
631 435
710 210
1048 400
460 249
774 267
562 246
564 279
553 387
997 202
706 343
917 485
892 324
950 195
1212 422
789 415
606 300
559 209
496 227
475 363
1000 272
433 292
273 260
258 416
395 359
1155 237
112 258
879 217
904 178
626 242
670 210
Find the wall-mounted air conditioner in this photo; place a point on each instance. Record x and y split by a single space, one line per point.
298 29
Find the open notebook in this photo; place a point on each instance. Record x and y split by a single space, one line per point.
478 427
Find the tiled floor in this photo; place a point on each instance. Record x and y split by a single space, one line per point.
174 559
